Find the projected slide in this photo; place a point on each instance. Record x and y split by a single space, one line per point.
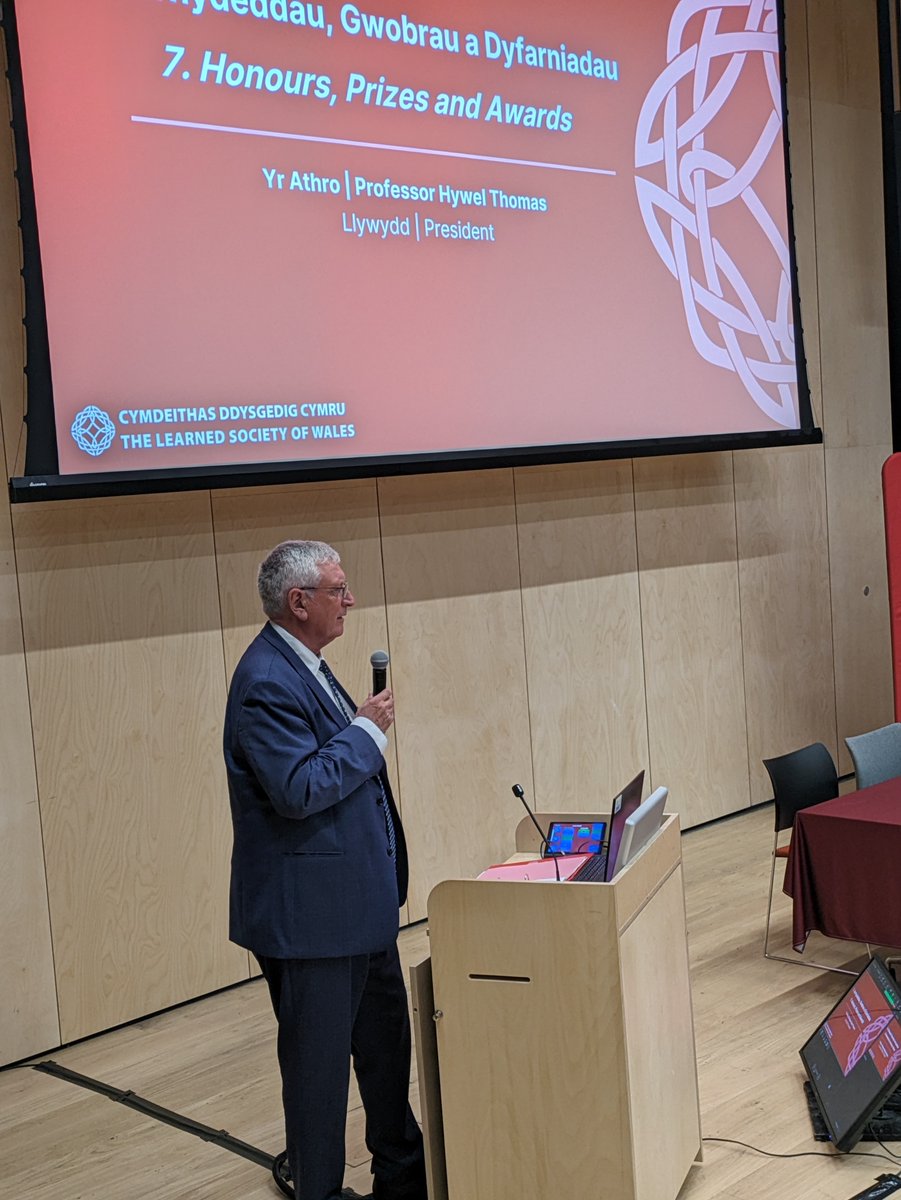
278 231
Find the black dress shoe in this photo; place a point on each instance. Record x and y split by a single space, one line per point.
281 1173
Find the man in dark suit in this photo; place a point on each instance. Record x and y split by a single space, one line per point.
319 869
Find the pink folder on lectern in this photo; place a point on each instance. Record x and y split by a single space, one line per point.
537 868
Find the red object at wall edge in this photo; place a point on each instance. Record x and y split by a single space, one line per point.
891 493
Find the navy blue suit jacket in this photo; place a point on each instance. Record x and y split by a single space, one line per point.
311 874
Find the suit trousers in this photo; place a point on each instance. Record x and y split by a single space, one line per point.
329 1011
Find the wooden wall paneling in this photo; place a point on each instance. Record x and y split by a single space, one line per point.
456 629
248 523
843 53
124 658
860 610
849 215
582 622
800 139
786 612
29 1022
688 575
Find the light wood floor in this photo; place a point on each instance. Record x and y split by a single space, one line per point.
215 1062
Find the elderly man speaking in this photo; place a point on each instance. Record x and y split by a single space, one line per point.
319 870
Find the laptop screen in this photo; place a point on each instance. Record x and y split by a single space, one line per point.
576 837
624 805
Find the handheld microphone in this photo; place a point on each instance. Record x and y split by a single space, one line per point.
379 661
521 796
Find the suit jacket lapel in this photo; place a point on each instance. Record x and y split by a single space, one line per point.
315 691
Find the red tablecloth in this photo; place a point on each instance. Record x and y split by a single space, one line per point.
844 869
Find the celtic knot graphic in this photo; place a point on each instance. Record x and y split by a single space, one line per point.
867 1036
706 221
93 431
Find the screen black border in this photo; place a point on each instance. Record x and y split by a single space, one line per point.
42 480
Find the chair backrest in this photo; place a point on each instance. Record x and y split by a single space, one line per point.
801 778
877 755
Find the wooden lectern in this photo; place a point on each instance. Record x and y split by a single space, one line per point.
555 1040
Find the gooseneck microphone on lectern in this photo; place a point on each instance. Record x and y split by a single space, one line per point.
379 661
521 796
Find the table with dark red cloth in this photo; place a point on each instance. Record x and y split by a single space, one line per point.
844 868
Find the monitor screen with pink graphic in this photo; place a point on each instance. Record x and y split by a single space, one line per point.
853 1060
274 238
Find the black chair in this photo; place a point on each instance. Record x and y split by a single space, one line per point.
800 779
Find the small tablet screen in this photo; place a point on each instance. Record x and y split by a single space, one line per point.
576 837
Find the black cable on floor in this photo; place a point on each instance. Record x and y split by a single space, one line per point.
833 1154
219 1137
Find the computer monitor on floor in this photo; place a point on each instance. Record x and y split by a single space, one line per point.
853 1060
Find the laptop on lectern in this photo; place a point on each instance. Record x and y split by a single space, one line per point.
580 868
600 868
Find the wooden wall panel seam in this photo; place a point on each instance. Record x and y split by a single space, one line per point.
741 633
830 596
398 789
816 285
252 966
525 648
651 771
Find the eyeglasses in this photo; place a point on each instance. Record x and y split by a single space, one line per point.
340 590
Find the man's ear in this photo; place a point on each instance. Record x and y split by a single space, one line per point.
296 603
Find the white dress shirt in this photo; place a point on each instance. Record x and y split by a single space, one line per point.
311 661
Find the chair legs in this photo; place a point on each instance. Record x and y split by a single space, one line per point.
797 961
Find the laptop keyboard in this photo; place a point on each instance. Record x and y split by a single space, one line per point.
592 869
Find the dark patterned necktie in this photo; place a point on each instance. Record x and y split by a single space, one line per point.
349 716
336 691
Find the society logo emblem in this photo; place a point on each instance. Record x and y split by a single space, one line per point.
93 431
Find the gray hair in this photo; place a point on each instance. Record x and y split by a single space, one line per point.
291 564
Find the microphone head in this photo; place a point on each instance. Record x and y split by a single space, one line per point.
379 660
518 792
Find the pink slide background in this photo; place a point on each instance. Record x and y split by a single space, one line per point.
176 277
